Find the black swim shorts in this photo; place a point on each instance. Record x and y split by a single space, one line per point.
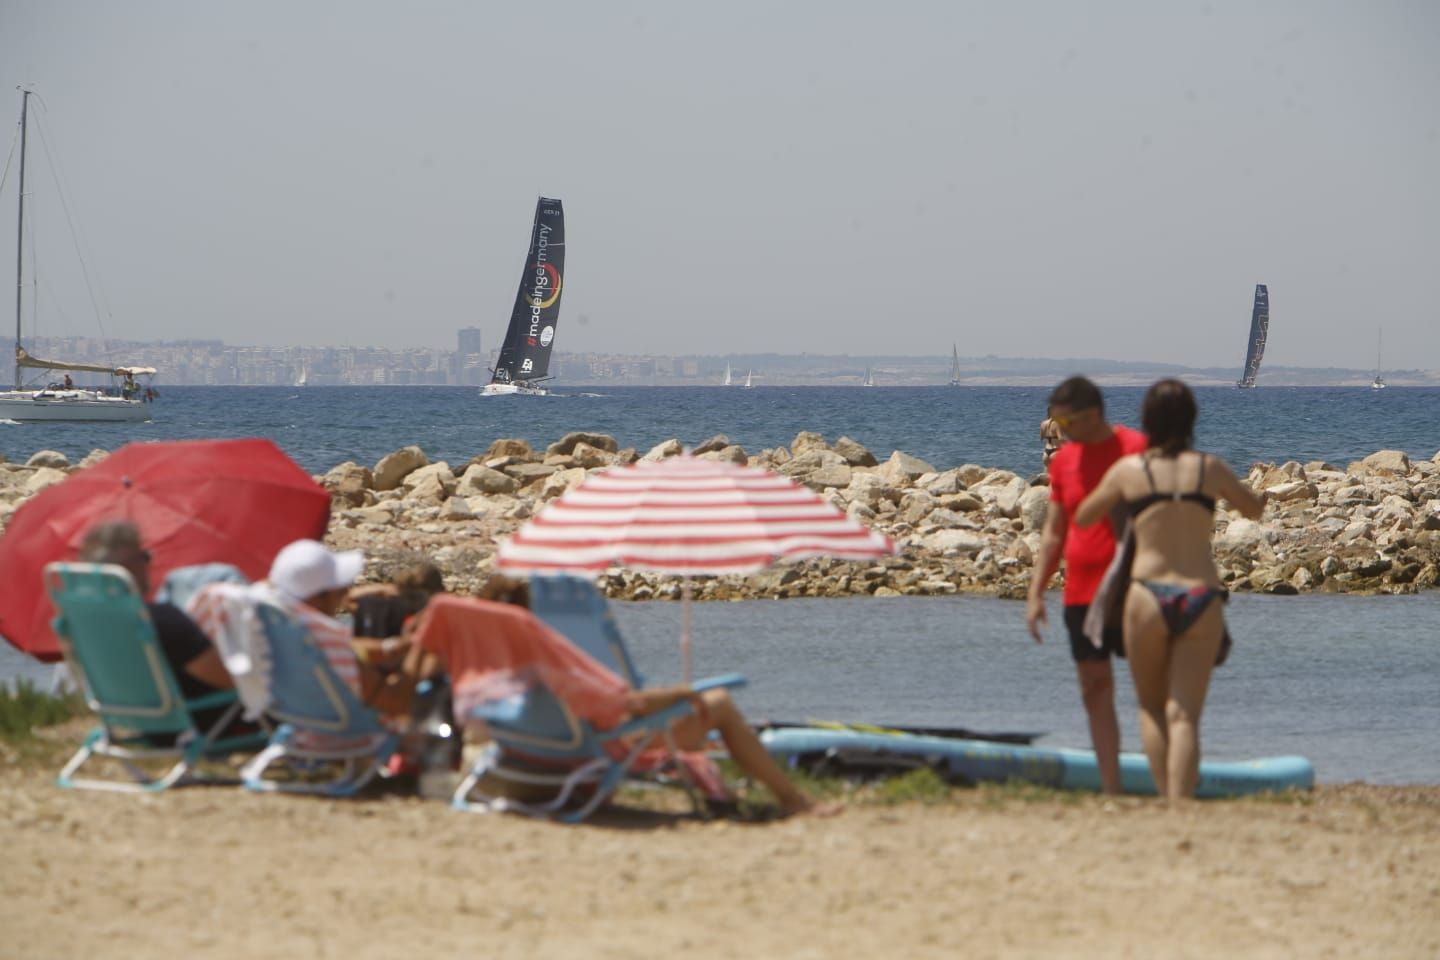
1080 646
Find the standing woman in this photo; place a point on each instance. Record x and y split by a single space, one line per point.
1174 611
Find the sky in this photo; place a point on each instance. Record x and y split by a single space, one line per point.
1041 179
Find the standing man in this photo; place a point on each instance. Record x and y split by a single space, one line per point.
1077 408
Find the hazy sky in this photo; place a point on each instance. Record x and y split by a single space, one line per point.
1024 179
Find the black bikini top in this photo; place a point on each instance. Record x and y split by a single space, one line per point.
1139 506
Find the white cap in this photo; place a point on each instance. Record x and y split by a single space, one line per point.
305 568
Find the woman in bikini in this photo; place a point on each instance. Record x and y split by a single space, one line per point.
1174 612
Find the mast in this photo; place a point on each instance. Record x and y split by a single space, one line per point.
20 236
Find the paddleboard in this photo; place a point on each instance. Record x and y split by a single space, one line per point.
979 761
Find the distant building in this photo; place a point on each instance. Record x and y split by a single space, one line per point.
469 359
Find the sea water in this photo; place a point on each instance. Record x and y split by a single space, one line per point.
1353 683
947 426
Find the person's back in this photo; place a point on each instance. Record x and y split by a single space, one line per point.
1173 530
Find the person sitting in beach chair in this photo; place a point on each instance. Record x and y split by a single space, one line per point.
192 657
493 651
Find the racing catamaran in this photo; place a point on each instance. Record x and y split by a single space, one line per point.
954 366
1259 331
525 355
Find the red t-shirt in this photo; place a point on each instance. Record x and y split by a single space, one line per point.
1074 472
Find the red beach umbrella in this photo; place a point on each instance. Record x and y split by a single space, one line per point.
687 516
195 501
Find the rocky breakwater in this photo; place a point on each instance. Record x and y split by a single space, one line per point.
1372 527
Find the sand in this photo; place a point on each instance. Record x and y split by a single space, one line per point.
996 872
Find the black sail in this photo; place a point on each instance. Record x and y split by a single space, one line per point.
525 355
1259 330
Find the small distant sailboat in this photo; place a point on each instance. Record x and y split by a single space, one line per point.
869 380
1379 382
304 378
525 355
728 382
1259 333
749 377
954 366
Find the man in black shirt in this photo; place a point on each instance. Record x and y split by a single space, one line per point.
193 659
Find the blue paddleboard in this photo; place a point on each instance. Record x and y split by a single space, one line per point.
1063 768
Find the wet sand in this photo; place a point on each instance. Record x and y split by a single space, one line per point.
1003 872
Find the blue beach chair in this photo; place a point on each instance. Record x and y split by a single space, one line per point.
109 642
321 721
539 727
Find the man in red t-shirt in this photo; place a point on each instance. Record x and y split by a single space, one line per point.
1078 409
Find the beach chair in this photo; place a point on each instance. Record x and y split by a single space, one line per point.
109 642
182 583
321 722
539 728
536 741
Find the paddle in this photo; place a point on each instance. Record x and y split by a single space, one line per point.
952 733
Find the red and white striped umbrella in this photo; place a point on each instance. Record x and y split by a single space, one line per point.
688 516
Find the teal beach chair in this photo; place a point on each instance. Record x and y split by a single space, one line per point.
109 641
321 721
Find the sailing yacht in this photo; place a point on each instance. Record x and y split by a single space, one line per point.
1259 333
869 380
954 366
1379 382
525 355
749 377
61 400
728 381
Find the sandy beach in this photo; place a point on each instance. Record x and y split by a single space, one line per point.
993 872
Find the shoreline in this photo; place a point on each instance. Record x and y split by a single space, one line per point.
1370 527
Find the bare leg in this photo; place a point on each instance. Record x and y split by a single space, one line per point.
1192 658
746 750
1097 691
1148 649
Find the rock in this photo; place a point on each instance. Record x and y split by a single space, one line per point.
955 542
480 479
351 491
422 476
508 448
349 470
660 451
43 477
855 454
731 454
1033 506
91 458
1387 462
1293 490
584 455
557 483
715 443
902 468
429 487
942 484
831 475
1241 533
529 472
53 459
968 502
456 508
1007 500
916 507
805 441
394 467
566 444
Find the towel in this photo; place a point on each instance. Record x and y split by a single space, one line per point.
226 612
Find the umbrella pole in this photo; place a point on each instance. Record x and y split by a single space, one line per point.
685 630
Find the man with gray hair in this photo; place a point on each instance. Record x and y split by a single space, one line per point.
192 657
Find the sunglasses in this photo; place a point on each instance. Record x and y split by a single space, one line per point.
1063 421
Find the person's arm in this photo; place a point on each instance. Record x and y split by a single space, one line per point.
210 669
1052 547
1103 499
1237 494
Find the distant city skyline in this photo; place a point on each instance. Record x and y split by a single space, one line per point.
1046 179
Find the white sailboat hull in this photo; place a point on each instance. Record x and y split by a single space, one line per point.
507 389
76 405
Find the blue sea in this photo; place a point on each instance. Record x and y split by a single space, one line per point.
1349 682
